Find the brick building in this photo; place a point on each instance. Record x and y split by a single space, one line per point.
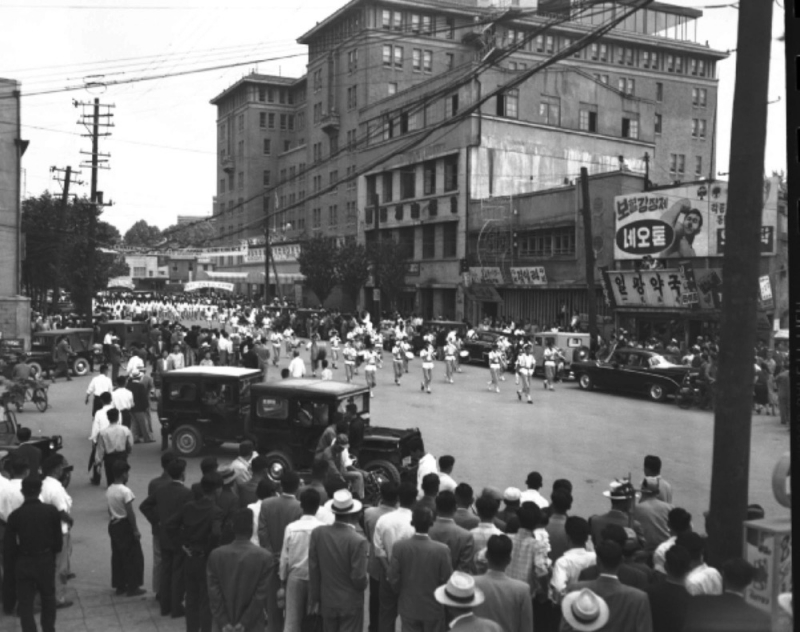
382 75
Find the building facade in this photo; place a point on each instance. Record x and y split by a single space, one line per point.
392 121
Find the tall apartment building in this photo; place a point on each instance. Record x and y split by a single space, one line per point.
383 76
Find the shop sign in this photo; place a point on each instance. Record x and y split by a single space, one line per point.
528 276
689 295
125 282
608 291
288 252
487 275
214 285
651 288
765 287
413 269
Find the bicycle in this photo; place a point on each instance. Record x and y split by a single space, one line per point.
33 391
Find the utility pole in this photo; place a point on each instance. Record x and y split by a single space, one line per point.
93 122
267 252
740 269
588 247
646 171
60 221
376 292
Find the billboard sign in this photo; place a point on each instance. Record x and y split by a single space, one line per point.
682 222
487 274
534 275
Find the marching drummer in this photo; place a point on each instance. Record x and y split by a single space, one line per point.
525 365
370 362
427 354
398 360
450 353
276 338
334 341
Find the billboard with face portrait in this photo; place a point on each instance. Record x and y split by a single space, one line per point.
681 222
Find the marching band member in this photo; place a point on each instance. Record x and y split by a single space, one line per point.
276 338
398 359
349 355
551 356
288 338
494 369
406 347
370 361
525 364
427 354
377 348
450 353
334 343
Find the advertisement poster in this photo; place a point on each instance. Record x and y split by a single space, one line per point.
534 275
487 275
648 288
683 222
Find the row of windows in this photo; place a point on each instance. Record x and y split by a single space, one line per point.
547 242
268 95
266 120
408 180
677 165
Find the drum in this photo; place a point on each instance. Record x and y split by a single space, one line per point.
464 354
409 355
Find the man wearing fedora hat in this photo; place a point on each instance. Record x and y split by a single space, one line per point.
583 611
337 567
459 596
622 495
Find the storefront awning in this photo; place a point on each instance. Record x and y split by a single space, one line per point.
227 276
482 293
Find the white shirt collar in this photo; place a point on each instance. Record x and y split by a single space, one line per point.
459 617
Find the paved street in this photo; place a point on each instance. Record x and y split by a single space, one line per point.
589 438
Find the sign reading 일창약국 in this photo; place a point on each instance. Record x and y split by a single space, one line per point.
681 222
214 285
528 276
656 288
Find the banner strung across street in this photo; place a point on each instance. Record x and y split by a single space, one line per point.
684 221
214 285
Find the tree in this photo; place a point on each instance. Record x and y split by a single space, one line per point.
142 234
352 269
195 234
51 239
317 264
392 261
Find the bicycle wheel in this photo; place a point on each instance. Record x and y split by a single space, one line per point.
39 398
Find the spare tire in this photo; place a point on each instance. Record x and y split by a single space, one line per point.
580 354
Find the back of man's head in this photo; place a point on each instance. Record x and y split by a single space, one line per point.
265 489
166 458
446 504
529 516
430 484
561 501
609 556
243 524
446 463
176 469
498 550
210 483
19 466
309 501
534 480
679 520
31 487
113 416
105 398
422 519
290 482
737 574
694 543
209 464
487 507
407 493
464 495
577 530
677 561
246 449
652 465
24 434
51 464
562 483
259 464
389 491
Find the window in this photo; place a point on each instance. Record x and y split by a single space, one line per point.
287 145
698 166
701 68
317 152
387 189
352 97
415 21
282 96
508 104
539 43
587 120
699 97
429 241
316 183
595 51
262 119
657 126
387 55
451 173
416 59
654 60
451 106
681 164
670 63
333 216
316 218
290 119
629 56
603 52
283 176
240 180
630 127
550 112
449 60
398 56
267 146
645 59
659 91
427 61
262 94
450 31
266 178
241 149
392 88
222 185
549 44
621 55
547 242
699 128
693 67
679 64
677 164
449 239
408 183
601 78
333 178
317 113
351 213
283 121
352 60
427 23
271 93
386 20
429 178
271 121
241 122
351 139
397 20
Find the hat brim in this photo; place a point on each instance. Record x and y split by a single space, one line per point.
355 508
441 596
608 494
582 626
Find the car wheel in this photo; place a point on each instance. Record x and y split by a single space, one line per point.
80 367
277 464
384 470
586 382
186 441
39 398
657 393
36 370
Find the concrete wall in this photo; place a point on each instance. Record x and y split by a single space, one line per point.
9 189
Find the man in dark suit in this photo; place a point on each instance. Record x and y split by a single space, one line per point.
430 488
669 599
237 576
629 609
337 567
371 515
464 516
728 611
276 514
29 452
418 566
152 487
445 530
507 601
158 509
629 573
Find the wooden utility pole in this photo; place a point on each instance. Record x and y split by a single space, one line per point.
740 270
375 266
60 223
588 247
266 260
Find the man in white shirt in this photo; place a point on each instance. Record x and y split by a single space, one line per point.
534 483
54 469
100 384
11 497
122 399
175 359
702 579
297 368
135 363
241 464
390 528
568 567
426 462
446 482
293 569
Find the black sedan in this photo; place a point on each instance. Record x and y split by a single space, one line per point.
638 371
480 345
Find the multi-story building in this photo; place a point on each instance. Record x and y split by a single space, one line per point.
407 94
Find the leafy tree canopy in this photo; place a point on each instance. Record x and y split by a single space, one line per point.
352 268
317 258
142 234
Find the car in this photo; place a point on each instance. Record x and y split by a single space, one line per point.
574 347
632 370
9 442
128 331
283 418
479 346
84 353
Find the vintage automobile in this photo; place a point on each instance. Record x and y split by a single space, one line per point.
638 371
9 441
573 346
213 405
128 331
83 357
479 346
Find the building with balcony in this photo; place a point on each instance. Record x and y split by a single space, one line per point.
384 78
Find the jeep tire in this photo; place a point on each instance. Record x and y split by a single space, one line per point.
278 462
186 441
385 470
